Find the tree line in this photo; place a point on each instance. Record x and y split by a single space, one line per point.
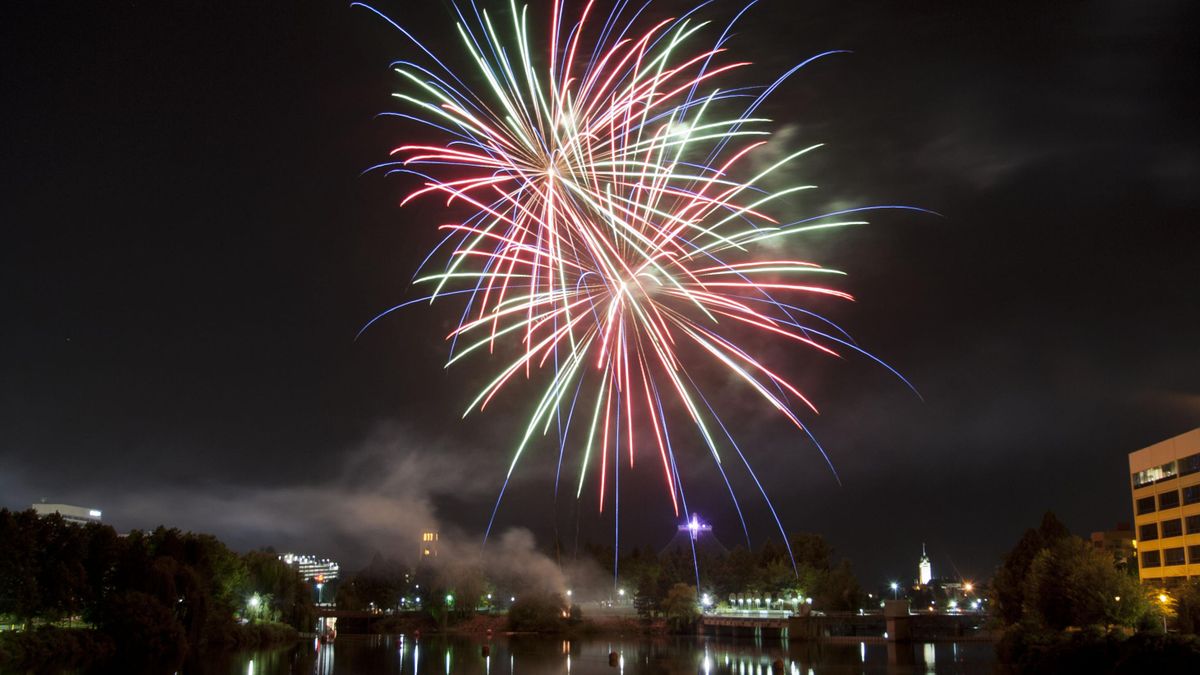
647 577
160 593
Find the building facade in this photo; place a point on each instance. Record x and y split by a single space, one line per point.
1165 484
78 515
312 568
924 569
1117 542
429 544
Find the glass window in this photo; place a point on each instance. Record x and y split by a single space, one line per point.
1191 494
1168 500
1194 555
1193 524
1173 556
1190 464
1172 528
1154 474
1151 559
1145 505
1148 532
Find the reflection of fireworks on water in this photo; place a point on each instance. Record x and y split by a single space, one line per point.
613 231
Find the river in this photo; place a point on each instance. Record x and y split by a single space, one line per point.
540 655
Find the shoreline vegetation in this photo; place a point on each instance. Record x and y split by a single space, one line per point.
82 595
1064 606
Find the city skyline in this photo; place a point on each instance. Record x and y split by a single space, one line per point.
192 250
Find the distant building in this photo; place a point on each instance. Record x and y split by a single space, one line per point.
924 569
1165 486
429 544
697 535
1119 542
312 568
79 515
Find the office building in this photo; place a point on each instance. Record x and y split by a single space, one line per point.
1117 542
312 568
78 515
429 544
1165 484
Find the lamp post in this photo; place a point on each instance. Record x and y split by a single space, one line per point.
895 591
1162 600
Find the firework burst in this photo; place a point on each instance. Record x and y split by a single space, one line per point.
617 211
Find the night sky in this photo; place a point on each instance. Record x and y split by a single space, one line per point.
189 248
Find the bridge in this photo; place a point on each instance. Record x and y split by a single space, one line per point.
891 626
765 623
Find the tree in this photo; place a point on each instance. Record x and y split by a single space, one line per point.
647 598
838 589
537 611
1187 607
20 595
1054 580
1008 586
680 607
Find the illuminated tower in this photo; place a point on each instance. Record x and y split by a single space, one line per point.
924 569
429 544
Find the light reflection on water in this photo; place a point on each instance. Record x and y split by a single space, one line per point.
531 655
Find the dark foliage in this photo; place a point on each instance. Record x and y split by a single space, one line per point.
538 612
157 595
1098 652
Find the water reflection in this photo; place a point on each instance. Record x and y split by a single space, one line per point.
531 655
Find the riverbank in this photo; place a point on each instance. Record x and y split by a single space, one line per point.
1098 651
51 647
498 624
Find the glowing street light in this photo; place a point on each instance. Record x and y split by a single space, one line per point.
895 590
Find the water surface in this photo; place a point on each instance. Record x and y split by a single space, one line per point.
540 655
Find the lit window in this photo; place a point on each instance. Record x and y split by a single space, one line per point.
1154 474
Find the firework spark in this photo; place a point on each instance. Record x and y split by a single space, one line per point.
614 229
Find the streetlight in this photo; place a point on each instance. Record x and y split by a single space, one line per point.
895 591
1163 599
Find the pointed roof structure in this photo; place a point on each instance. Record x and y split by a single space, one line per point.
695 532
